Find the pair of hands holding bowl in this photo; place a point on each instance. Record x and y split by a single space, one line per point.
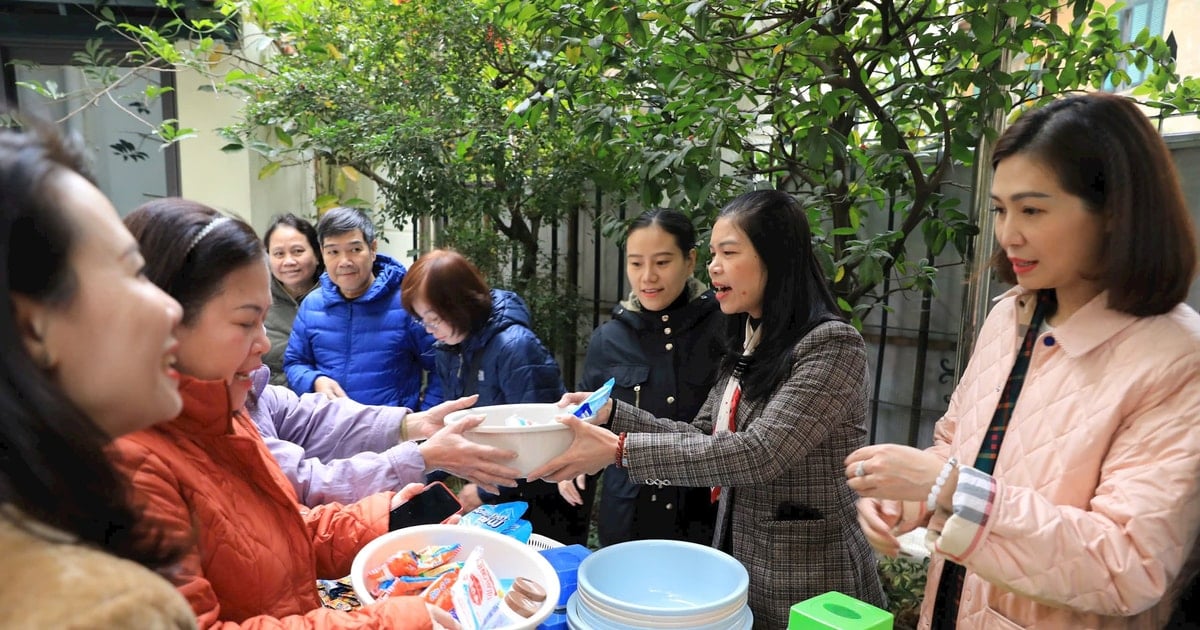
446 448
593 448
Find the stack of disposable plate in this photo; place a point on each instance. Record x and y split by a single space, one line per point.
652 584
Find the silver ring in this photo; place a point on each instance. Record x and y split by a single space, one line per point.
860 470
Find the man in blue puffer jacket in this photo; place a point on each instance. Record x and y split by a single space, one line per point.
352 337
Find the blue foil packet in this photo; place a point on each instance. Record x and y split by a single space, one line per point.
502 518
592 404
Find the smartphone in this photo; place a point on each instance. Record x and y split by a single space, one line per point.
435 504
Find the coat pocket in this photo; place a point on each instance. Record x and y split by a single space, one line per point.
627 381
629 375
993 620
807 558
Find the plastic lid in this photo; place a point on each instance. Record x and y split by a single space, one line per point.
530 589
520 604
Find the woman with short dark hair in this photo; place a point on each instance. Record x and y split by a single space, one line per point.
1062 489
485 346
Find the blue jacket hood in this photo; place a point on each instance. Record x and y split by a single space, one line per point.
508 309
504 360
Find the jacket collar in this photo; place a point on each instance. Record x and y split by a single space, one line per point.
279 293
1090 326
693 288
206 408
700 302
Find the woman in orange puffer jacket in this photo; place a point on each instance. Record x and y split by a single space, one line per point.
253 553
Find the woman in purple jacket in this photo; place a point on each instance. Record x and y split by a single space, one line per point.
339 451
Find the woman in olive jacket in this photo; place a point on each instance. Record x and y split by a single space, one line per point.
662 347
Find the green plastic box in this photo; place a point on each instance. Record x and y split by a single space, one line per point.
836 611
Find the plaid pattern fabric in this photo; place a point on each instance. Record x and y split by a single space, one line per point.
714 495
945 610
787 452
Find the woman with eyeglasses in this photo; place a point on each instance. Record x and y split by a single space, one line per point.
485 346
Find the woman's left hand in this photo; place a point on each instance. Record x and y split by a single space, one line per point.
405 494
892 471
592 449
420 425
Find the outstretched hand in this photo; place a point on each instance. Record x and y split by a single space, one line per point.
329 387
592 449
449 450
420 425
570 488
576 398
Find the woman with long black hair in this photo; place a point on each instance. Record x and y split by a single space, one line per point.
789 406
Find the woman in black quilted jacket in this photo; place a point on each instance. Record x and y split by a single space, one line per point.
662 346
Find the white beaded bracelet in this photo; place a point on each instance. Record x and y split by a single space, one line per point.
931 502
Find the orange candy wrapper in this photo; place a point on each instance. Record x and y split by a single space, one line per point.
438 593
409 572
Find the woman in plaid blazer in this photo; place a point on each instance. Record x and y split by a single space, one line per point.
789 406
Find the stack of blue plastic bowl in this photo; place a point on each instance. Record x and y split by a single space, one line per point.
652 584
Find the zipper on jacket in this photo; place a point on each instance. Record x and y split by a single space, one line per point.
637 395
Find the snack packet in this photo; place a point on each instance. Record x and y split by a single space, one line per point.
592 404
502 518
517 421
476 592
403 570
438 593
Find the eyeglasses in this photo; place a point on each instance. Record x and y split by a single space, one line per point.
431 323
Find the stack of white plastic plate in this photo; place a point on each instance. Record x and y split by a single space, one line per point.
657 584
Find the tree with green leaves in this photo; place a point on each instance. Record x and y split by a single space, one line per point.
497 114
856 106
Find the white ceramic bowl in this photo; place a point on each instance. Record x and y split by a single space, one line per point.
535 444
508 559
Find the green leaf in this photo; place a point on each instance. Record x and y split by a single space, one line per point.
283 137
326 201
268 170
824 44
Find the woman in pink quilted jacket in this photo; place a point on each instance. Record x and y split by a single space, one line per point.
252 552
1063 486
